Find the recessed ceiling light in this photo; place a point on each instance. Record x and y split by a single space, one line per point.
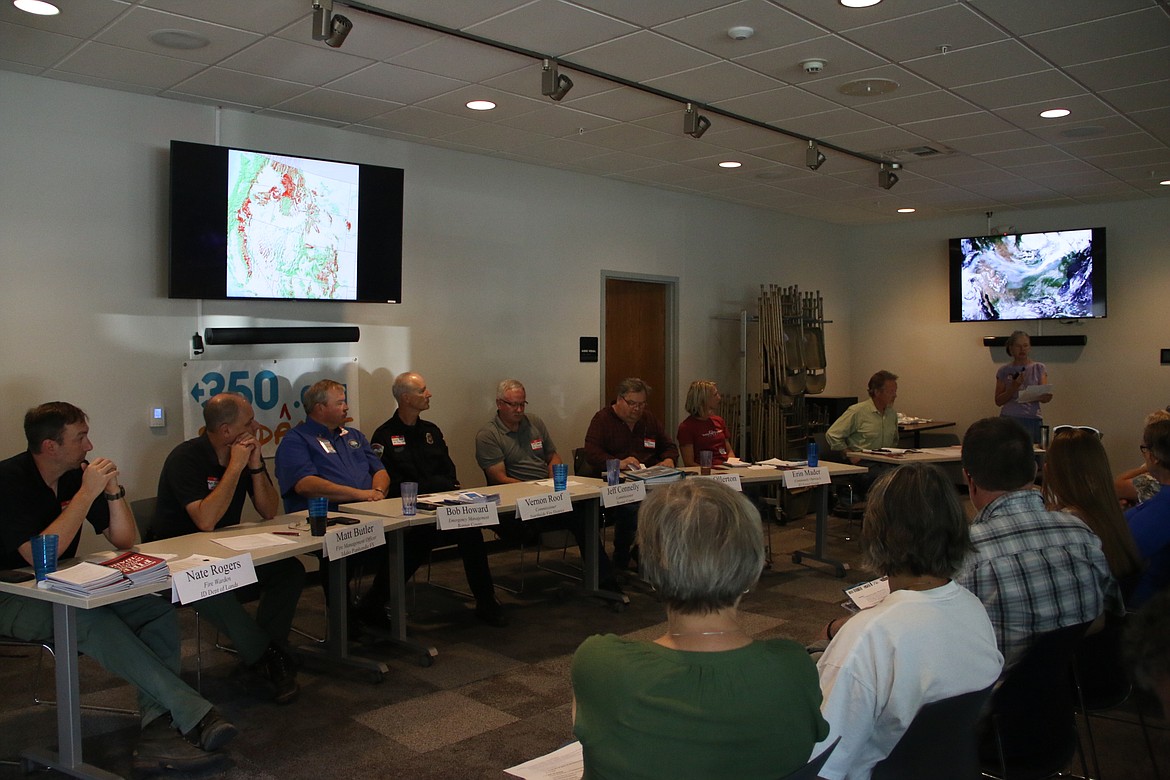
38 7
859 3
906 211
730 164
1165 182
868 87
179 39
481 105
1055 113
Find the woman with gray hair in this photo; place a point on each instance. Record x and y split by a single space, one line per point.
703 699
929 640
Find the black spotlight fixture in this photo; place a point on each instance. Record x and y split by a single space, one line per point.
695 124
886 176
328 26
814 158
552 84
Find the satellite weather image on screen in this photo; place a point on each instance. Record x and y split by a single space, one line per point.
1027 276
292 227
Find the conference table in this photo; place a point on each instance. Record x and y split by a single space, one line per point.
775 475
68 758
584 492
952 454
915 429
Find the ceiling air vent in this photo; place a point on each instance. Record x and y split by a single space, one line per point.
916 153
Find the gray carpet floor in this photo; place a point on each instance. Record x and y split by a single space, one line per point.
494 697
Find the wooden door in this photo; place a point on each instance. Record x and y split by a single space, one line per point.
636 332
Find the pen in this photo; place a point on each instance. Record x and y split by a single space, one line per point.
286 533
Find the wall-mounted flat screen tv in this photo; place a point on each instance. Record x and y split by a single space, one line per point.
1057 275
258 225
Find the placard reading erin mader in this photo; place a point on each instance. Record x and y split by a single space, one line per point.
213 578
466 516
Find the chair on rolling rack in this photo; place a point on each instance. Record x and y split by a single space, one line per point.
940 742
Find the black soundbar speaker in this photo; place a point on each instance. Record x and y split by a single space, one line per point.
222 336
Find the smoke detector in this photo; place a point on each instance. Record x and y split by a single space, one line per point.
812 67
740 33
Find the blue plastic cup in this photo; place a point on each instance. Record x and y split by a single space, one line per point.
409 493
813 458
44 553
318 515
560 477
613 471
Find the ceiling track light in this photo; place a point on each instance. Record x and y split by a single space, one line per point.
694 123
552 84
328 26
814 158
886 176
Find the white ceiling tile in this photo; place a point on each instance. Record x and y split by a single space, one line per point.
642 56
1021 90
1116 36
420 121
715 82
778 105
975 64
455 102
558 121
624 104
391 82
133 30
1035 15
261 16
240 88
926 106
1139 97
774 27
78 18
840 57
920 35
339 106
1140 68
648 13
127 66
460 59
457 14
552 27
34 47
278 58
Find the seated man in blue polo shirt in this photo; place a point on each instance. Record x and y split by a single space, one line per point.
323 458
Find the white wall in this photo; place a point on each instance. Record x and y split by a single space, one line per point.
900 322
502 273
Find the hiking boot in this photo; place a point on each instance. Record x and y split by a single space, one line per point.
212 732
161 747
278 668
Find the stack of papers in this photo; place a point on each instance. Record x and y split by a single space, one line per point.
140 568
433 500
656 475
784 464
87 579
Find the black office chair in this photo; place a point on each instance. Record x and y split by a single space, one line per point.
940 742
1030 732
809 771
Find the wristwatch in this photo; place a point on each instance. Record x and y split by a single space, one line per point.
260 470
116 496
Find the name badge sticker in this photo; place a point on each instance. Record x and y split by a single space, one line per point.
212 579
327 446
624 493
345 540
806 477
649 443
466 516
537 444
534 507
397 441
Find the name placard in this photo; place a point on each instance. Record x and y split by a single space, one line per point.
344 540
212 579
544 505
625 493
731 480
466 516
806 477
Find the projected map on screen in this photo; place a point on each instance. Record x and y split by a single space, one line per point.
1028 276
292 227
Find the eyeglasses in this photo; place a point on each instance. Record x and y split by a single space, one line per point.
517 405
633 404
1060 428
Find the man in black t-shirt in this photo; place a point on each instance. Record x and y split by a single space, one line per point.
52 489
202 487
413 450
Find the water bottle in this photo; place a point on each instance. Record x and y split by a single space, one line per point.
813 460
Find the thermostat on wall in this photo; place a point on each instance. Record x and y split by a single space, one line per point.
158 417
